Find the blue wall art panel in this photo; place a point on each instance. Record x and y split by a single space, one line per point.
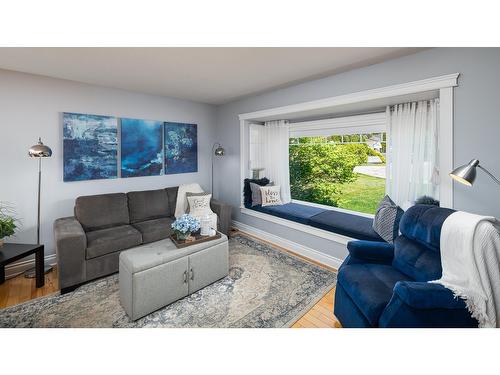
141 148
181 148
89 147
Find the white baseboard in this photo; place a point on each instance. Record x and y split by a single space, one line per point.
15 269
294 247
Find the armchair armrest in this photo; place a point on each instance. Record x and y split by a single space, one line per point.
71 243
424 295
370 252
223 211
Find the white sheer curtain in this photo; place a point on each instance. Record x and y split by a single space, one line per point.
412 154
275 155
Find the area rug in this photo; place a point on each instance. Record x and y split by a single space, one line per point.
265 288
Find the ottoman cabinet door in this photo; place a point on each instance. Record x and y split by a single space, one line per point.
208 266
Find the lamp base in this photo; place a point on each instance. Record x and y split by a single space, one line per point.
31 274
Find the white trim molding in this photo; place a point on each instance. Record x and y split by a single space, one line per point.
294 247
17 268
429 84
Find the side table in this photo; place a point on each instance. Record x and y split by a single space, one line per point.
11 252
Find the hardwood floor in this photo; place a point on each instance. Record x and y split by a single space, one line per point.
20 289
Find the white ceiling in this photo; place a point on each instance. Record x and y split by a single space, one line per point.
207 75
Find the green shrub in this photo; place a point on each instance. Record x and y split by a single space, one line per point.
318 170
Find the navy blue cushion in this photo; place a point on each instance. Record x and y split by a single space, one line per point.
349 225
371 251
422 223
416 260
299 213
370 287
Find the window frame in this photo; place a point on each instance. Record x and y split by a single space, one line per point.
435 87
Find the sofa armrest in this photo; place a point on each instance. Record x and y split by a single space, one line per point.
370 252
223 212
424 295
71 244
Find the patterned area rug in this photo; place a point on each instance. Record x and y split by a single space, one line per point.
265 288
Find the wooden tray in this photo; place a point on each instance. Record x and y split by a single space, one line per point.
198 239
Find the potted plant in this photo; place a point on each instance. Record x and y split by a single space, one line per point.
184 226
7 223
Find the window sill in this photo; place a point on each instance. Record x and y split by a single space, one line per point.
324 206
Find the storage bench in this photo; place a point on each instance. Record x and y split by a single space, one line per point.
154 275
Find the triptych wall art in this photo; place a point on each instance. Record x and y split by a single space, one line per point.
94 145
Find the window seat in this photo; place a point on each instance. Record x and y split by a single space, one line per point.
346 224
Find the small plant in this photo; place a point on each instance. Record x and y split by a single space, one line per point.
184 226
8 223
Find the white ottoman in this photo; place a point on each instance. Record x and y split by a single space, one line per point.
154 275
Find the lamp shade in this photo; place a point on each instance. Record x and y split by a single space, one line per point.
466 174
40 150
219 151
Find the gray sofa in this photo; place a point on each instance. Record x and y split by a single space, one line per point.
88 244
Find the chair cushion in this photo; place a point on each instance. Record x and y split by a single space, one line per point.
104 241
299 213
423 223
416 260
102 211
154 230
370 287
349 225
147 205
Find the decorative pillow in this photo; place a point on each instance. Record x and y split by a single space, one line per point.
256 194
271 195
199 204
386 221
247 191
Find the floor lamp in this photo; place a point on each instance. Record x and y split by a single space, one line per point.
217 150
38 151
466 174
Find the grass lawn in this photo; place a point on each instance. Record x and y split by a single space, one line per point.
363 195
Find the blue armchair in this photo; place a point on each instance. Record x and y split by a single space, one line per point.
385 285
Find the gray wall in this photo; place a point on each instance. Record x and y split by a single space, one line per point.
31 106
476 125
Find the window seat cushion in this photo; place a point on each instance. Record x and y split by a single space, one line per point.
346 224
342 223
299 213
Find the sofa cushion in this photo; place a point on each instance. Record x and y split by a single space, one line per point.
102 211
104 241
147 205
154 230
370 287
346 224
416 260
423 223
172 199
386 220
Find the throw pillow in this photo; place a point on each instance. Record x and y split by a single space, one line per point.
247 191
256 194
386 221
199 204
271 195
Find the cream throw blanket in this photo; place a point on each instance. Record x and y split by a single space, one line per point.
470 257
181 204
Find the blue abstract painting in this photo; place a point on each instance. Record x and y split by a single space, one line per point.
141 148
181 148
90 144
